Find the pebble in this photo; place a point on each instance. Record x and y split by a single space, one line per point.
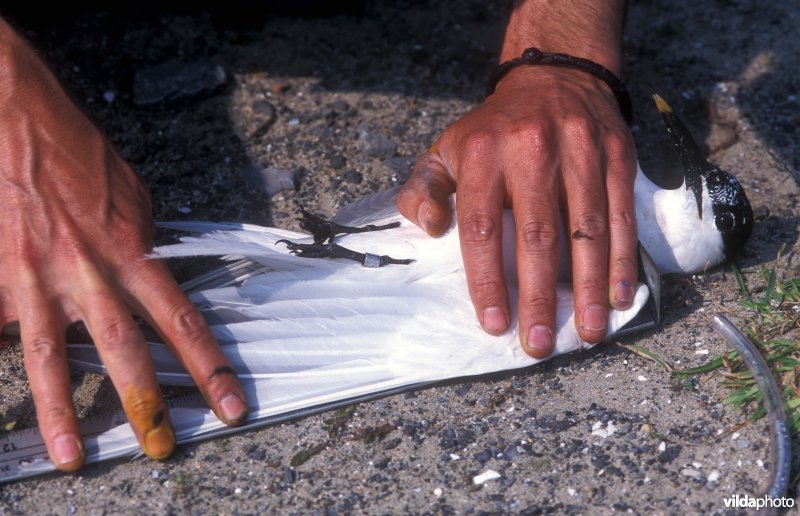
669 454
511 453
483 456
177 82
693 474
438 492
608 431
374 144
270 180
486 476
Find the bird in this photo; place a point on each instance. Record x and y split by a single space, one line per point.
368 303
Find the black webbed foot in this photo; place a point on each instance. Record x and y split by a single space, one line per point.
331 250
324 230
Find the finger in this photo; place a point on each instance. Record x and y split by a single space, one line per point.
620 178
45 359
127 358
537 218
424 199
480 229
588 234
178 321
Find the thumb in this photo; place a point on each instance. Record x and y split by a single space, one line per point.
424 199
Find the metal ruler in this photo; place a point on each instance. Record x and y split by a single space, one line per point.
23 453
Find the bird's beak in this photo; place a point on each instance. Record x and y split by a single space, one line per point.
694 164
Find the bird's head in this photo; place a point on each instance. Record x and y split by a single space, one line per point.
733 216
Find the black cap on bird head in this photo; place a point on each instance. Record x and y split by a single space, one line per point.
733 215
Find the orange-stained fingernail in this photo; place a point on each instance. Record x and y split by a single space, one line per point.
66 449
147 413
540 340
594 318
495 320
232 409
433 149
422 215
159 442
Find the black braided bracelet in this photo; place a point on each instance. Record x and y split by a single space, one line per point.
534 56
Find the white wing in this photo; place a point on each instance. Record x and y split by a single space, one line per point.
314 331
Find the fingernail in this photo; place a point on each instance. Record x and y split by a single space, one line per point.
159 442
494 320
422 215
623 293
594 318
66 449
540 338
232 409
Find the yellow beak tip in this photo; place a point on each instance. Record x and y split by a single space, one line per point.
661 104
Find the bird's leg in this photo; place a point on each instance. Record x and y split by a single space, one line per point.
331 250
324 230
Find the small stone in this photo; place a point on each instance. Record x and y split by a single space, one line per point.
270 180
483 456
109 96
374 144
693 474
669 454
486 476
438 492
177 82
608 431
511 453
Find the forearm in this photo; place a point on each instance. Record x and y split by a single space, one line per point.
591 29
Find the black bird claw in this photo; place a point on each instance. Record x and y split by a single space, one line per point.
324 230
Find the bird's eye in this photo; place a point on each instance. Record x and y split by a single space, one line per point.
725 221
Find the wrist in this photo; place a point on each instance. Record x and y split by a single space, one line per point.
583 28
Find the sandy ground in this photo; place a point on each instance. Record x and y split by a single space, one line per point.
341 105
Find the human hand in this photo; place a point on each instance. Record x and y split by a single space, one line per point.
549 141
75 228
